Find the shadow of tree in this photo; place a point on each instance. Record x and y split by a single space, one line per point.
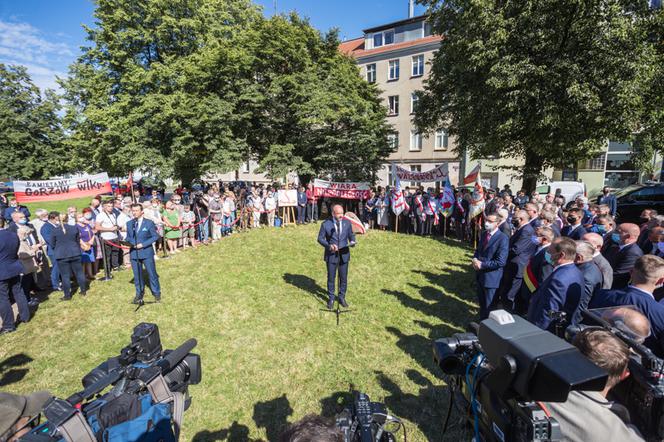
420 347
443 306
235 433
308 285
273 416
426 409
10 371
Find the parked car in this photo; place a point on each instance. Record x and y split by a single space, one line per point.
571 190
633 199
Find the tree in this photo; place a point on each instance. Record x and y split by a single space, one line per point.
543 81
30 131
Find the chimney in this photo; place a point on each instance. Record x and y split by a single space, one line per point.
411 8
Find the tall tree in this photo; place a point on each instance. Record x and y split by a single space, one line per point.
30 131
543 81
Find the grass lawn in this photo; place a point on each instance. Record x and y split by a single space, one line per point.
269 354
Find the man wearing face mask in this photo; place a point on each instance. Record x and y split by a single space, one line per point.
599 260
561 291
536 271
609 199
646 276
46 233
521 248
14 206
489 261
624 253
644 237
574 230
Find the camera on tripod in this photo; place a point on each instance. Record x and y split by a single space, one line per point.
367 421
147 400
499 374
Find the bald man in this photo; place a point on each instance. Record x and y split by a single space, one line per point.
607 272
630 321
624 253
336 236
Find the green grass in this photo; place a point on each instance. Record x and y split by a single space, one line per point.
269 354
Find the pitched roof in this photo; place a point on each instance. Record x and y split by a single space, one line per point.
355 47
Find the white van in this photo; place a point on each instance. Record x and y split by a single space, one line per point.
571 190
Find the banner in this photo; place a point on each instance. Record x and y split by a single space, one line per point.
399 203
447 200
440 173
287 198
477 197
64 189
349 191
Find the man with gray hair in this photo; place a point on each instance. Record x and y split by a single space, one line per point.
504 226
607 272
38 223
592 276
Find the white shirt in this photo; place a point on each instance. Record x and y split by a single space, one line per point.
123 219
107 220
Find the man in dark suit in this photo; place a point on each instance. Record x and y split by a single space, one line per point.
533 212
574 230
536 271
14 206
66 243
609 199
561 291
548 219
301 205
504 225
624 253
141 234
647 274
488 261
46 231
599 259
592 276
522 247
337 237
10 282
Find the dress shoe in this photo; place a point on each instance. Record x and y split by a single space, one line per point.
84 293
65 298
157 298
138 301
330 305
5 331
343 303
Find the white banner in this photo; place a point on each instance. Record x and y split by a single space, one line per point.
440 173
346 190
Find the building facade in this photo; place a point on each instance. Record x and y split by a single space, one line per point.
396 57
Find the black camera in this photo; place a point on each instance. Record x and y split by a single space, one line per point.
367 421
149 390
498 377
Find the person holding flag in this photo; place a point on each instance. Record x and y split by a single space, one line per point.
446 204
399 204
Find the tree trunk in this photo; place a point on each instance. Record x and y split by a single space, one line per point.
531 171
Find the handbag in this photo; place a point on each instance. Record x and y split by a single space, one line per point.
85 246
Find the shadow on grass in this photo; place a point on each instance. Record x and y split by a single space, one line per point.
235 433
12 370
307 284
425 409
273 416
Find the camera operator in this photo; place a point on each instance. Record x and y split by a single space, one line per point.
312 428
588 415
647 274
17 412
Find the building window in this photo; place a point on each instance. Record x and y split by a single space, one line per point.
415 169
441 140
415 140
371 73
393 71
393 102
383 38
596 163
414 100
418 65
393 141
245 167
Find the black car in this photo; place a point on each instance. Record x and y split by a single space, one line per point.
633 199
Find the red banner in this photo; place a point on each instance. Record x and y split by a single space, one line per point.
64 189
349 191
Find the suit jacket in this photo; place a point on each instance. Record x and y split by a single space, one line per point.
592 282
608 242
556 229
66 242
609 200
344 239
644 303
493 257
644 242
46 231
605 268
540 267
561 291
521 249
13 227
622 262
575 234
506 228
10 266
146 235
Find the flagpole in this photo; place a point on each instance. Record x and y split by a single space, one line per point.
476 231
396 225
444 226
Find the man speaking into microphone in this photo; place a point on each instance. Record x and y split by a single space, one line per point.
141 234
336 236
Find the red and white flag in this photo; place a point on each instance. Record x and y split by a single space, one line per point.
473 176
477 197
398 201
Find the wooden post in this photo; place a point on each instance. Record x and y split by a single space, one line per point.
396 225
444 226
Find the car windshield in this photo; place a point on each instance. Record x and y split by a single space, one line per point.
628 189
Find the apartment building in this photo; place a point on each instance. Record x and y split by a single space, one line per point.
396 56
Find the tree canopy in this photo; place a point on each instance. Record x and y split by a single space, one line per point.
186 87
544 81
30 131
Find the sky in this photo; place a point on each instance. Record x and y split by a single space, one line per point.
46 35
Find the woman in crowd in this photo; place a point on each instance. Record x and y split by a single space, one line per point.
67 251
383 210
172 223
27 254
270 208
87 235
216 206
153 213
370 209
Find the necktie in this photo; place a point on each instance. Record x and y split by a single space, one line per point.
338 233
487 237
